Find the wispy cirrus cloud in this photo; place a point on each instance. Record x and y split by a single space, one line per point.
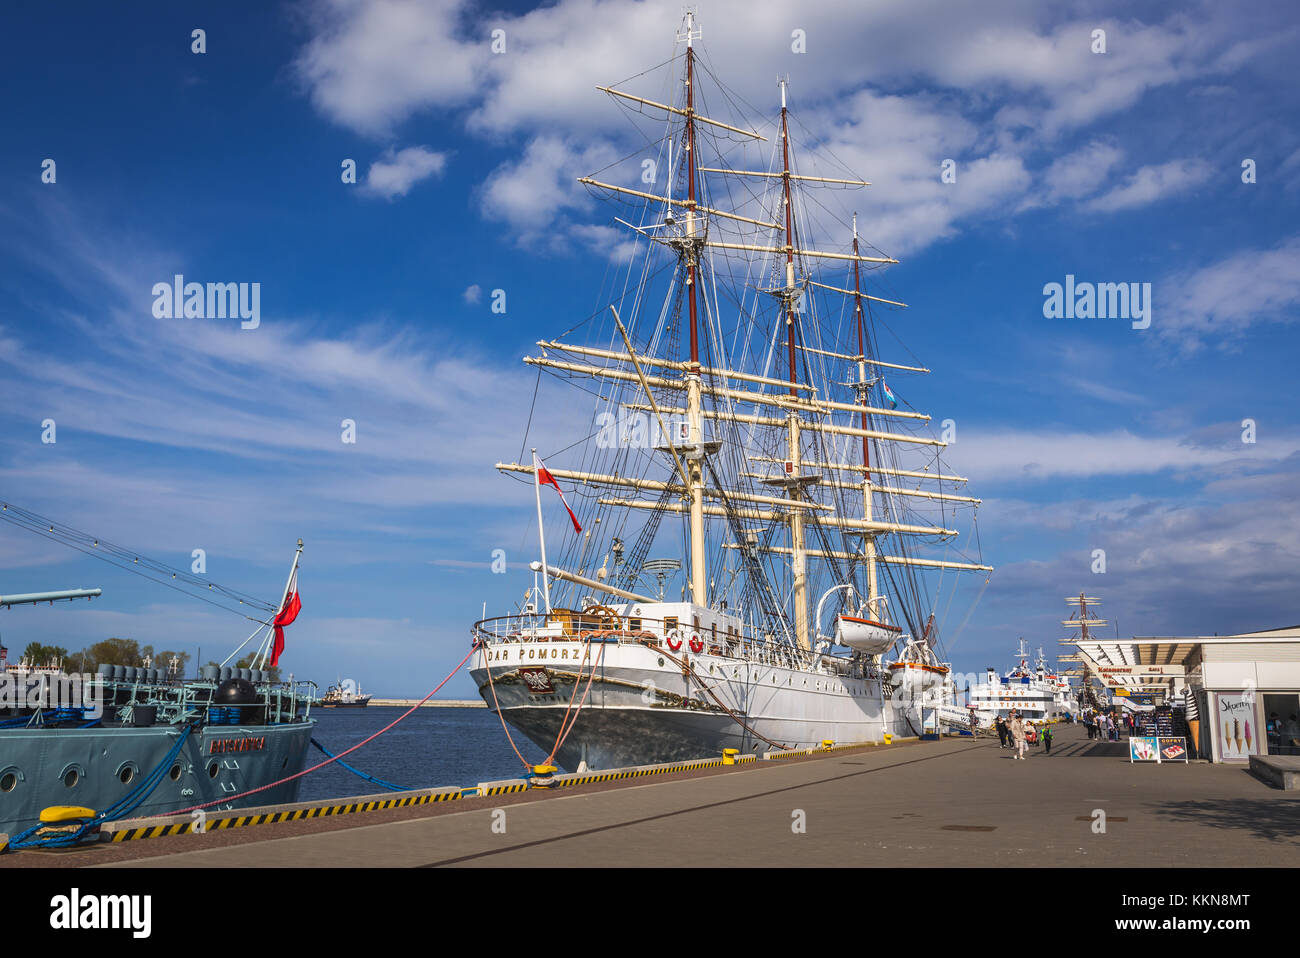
1222 300
1151 184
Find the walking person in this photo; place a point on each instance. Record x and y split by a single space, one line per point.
1002 731
1047 740
1018 734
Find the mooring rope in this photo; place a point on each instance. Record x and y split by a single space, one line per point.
564 733
356 771
504 727
119 809
329 761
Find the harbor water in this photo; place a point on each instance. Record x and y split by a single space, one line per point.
431 747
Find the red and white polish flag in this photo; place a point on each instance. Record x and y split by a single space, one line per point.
544 478
292 606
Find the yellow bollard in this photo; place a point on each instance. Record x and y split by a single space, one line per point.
62 814
729 756
827 743
889 738
542 776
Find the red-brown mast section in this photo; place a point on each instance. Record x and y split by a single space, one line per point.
789 242
690 190
857 301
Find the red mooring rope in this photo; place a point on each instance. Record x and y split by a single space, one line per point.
306 771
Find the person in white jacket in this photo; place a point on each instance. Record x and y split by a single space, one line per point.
1018 734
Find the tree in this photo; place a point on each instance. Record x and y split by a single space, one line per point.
112 652
39 654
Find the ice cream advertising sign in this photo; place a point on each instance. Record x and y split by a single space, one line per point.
1235 727
1143 748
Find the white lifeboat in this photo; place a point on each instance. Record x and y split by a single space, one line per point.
865 635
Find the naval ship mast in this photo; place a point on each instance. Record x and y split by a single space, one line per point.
813 500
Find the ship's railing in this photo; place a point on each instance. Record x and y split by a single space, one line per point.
610 627
180 700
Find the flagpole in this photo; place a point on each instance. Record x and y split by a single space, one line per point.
284 597
541 534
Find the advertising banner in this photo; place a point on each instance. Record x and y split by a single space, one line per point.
1234 726
1142 748
1173 749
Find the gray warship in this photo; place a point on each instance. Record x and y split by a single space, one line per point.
133 741
91 743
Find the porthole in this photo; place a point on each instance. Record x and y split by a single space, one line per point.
126 773
213 768
661 661
175 773
8 780
71 776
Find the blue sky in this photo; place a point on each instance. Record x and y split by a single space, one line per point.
176 434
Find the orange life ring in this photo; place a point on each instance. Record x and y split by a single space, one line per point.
677 644
697 644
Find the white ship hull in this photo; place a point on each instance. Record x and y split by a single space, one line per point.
640 709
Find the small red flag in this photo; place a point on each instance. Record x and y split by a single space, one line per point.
292 606
545 478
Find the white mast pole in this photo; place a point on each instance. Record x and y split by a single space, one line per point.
541 535
270 633
798 561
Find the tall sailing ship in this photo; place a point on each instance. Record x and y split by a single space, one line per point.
741 395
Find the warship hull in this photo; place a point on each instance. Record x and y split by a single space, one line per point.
98 767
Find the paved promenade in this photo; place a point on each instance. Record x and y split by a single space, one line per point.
956 802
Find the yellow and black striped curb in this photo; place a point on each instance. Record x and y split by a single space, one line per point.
4 843
499 788
128 830
507 786
823 750
649 770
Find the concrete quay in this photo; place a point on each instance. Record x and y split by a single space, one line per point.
955 802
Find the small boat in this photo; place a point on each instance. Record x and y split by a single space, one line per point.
345 695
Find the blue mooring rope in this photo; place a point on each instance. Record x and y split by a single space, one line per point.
120 809
369 778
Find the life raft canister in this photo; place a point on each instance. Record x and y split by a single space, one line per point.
697 644
674 640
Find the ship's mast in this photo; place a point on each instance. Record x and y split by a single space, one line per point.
798 558
782 402
694 405
868 540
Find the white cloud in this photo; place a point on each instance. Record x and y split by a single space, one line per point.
1044 454
531 194
473 294
1045 77
1225 298
1152 183
1082 172
397 172
369 64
